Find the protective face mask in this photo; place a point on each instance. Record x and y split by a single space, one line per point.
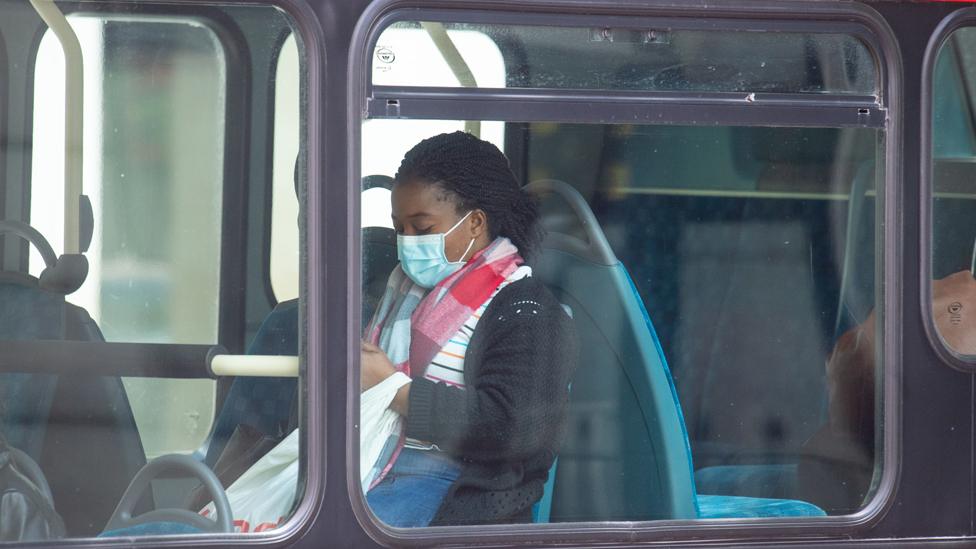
423 259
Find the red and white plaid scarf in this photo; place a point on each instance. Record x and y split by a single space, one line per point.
412 327
439 315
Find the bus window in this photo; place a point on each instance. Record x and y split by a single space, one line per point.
127 310
649 59
415 56
953 260
153 173
698 276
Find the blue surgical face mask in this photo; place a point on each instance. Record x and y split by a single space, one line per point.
423 259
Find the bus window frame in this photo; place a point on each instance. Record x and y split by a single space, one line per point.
883 46
959 19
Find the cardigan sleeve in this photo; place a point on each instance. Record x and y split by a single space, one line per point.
517 375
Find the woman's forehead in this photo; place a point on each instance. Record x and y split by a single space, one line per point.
419 198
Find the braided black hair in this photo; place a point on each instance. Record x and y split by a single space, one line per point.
474 174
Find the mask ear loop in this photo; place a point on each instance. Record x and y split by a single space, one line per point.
466 250
459 221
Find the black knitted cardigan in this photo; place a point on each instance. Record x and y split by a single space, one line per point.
505 426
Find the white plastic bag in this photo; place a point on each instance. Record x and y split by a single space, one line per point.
379 427
263 496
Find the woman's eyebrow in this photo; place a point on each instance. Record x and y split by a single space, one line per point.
418 214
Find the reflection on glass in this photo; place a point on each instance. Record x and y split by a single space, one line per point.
954 194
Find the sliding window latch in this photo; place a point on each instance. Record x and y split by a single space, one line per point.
630 36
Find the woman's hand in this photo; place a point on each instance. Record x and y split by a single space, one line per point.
374 366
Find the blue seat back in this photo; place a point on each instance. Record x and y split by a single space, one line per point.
28 314
268 404
542 509
78 428
625 455
856 295
264 403
379 259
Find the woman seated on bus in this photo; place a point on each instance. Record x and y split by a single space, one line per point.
488 348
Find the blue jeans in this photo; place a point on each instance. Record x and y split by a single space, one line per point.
412 491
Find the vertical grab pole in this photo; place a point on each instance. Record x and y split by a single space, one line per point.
457 64
73 118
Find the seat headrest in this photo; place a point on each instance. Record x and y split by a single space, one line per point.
576 230
86 224
374 181
66 275
63 274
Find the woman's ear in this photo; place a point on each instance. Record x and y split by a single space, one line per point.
478 223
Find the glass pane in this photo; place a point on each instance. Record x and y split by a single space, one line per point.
737 262
153 175
954 199
114 340
647 59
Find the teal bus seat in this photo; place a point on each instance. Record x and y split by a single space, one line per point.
750 507
618 440
626 454
542 509
773 480
262 403
856 294
269 405
78 428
